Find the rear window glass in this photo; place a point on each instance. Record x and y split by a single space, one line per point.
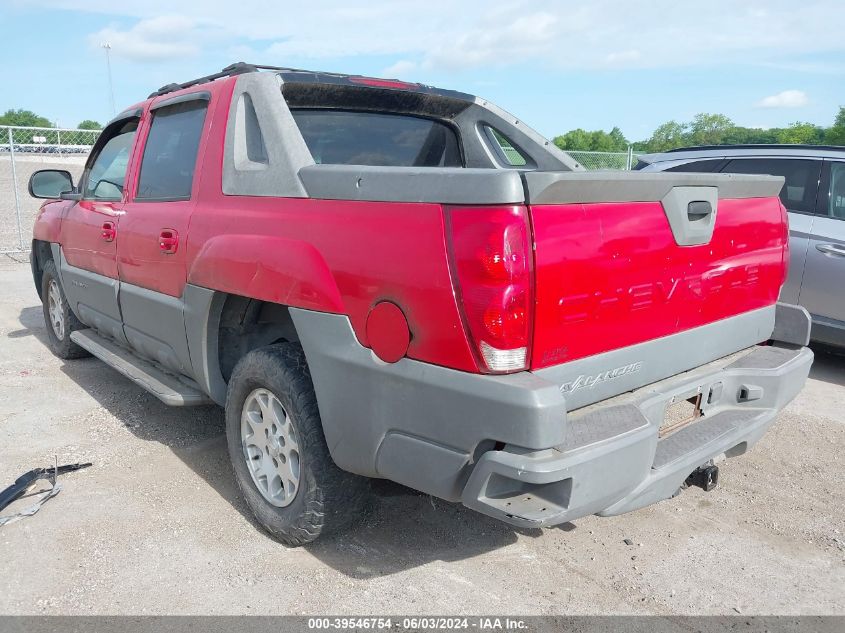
699 166
802 178
337 137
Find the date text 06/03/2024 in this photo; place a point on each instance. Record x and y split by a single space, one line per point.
418 623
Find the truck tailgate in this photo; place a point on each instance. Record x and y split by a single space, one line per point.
622 259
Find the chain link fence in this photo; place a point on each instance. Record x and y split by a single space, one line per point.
606 160
24 150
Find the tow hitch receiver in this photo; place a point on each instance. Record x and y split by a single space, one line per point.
705 478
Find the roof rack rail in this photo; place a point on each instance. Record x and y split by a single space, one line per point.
238 68
757 146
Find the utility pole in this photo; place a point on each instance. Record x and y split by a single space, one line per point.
107 47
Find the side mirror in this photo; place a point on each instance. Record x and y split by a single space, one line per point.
50 184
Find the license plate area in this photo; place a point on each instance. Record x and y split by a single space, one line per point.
681 411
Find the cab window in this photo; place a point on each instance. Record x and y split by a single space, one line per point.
105 177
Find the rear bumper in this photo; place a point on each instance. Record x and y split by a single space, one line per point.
613 460
510 447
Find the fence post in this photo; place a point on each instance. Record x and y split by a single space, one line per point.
630 158
59 141
15 187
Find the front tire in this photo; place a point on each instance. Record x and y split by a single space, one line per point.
58 316
278 451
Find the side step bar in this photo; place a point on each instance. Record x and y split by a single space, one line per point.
164 386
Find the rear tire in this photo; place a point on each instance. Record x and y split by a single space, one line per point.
59 318
279 453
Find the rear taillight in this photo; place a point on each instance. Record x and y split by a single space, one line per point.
491 259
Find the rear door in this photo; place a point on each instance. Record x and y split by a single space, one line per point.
154 228
799 197
824 275
90 228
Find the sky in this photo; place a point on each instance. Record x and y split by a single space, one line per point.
556 65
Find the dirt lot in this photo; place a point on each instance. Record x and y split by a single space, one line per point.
157 526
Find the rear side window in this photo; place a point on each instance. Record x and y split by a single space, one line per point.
338 137
802 178
505 148
700 166
170 155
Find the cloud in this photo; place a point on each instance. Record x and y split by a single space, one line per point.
400 68
443 35
500 39
154 39
785 99
623 58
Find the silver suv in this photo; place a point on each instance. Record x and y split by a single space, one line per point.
814 196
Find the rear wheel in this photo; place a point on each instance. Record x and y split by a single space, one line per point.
60 319
278 450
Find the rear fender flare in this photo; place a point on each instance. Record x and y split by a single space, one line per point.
274 269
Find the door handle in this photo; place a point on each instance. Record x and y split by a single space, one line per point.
108 231
831 249
698 210
168 241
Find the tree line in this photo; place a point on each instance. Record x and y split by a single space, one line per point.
705 129
27 118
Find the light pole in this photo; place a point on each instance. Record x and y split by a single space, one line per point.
107 47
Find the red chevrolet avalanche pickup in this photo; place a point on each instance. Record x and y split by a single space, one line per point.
380 279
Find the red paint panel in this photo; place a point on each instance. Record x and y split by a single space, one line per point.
83 242
611 275
140 259
335 256
298 250
48 220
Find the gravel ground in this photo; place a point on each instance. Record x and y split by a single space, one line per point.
157 525
25 164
